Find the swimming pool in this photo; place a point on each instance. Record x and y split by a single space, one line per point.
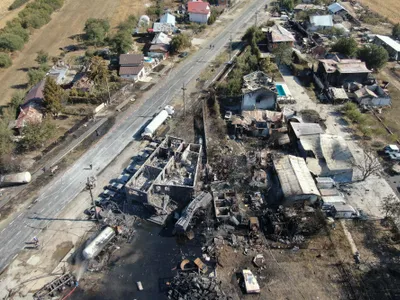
281 90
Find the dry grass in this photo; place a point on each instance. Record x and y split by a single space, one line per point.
388 8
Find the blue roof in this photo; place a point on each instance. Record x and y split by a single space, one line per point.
335 7
168 18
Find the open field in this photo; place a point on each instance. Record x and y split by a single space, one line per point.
387 8
65 23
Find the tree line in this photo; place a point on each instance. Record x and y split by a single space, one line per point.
16 32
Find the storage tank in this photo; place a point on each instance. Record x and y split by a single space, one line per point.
15 179
155 124
98 244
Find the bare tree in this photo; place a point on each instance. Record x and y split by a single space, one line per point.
369 165
390 206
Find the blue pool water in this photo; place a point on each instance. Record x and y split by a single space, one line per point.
281 91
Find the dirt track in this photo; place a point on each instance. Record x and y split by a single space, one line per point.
65 23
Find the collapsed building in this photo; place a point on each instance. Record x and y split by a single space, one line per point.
259 92
167 178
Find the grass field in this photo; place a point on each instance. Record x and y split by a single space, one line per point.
387 8
65 23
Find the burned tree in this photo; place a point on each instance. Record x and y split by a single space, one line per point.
390 206
369 165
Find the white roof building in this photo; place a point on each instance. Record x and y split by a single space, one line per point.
392 46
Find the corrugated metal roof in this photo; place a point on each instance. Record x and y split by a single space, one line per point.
301 129
389 41
335 7
294 176
168 18
338 93
344 66
325 20
280 34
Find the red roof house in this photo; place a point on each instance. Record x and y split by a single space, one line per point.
28 115
199 11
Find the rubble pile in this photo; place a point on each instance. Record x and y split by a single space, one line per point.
192 286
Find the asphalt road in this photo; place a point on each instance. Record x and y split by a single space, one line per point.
64 188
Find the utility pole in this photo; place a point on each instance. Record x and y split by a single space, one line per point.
230 48
184 98
256 14
89 186
108 89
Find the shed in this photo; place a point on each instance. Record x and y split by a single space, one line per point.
392 46
336 8
337 94
168 18
320 22
295 179
302 129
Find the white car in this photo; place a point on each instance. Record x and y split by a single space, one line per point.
394 156
228 115
391 149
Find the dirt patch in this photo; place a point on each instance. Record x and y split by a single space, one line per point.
387 8
62 250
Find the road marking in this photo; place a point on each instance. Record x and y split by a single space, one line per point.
19 215
12 222
18 233
41 210
3 230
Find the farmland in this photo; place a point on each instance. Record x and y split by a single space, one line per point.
387 8
65 23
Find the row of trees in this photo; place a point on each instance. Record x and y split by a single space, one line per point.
97 33
374 56
16 33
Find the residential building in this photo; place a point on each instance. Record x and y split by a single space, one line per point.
278 35
199 11
168 175
336 72
372 95
27 115
259 123
318 23
299 129
168 18
306 7
391 46
159 46
35 95
259 92
131 66
162 27
296 182
59 74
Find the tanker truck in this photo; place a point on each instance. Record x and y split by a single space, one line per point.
151 129
15 179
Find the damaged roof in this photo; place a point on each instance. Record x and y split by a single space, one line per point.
294 176
257 80
344 66
279 34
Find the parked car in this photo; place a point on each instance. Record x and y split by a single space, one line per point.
124 178
391 149
394 156
183 54
108 193
115 186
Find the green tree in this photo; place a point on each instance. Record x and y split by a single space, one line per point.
14 27
35 76
11 42
129 24
283 54
42 57
346 46
396 30
5 60
122 42
17 99
35 135
180 42
374 56
16 4
96 30
288 4
52 96
266 65
253 34
6 144
98 71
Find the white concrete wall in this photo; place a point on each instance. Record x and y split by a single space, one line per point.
199 18
250 102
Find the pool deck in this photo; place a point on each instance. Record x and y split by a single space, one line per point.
288 94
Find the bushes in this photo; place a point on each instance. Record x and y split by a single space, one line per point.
17 3
179 42
5 60
346 46
11 42
374 56
96 30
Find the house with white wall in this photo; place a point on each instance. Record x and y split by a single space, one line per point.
199 11
131 66
258 92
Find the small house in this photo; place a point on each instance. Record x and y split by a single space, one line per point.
336 72
337 9
199 11
159 46
59 73
372 95
258 92
391 46
318 23
168 18
162 27
257 123
28 115
337 95
35 95
278 35
131 66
